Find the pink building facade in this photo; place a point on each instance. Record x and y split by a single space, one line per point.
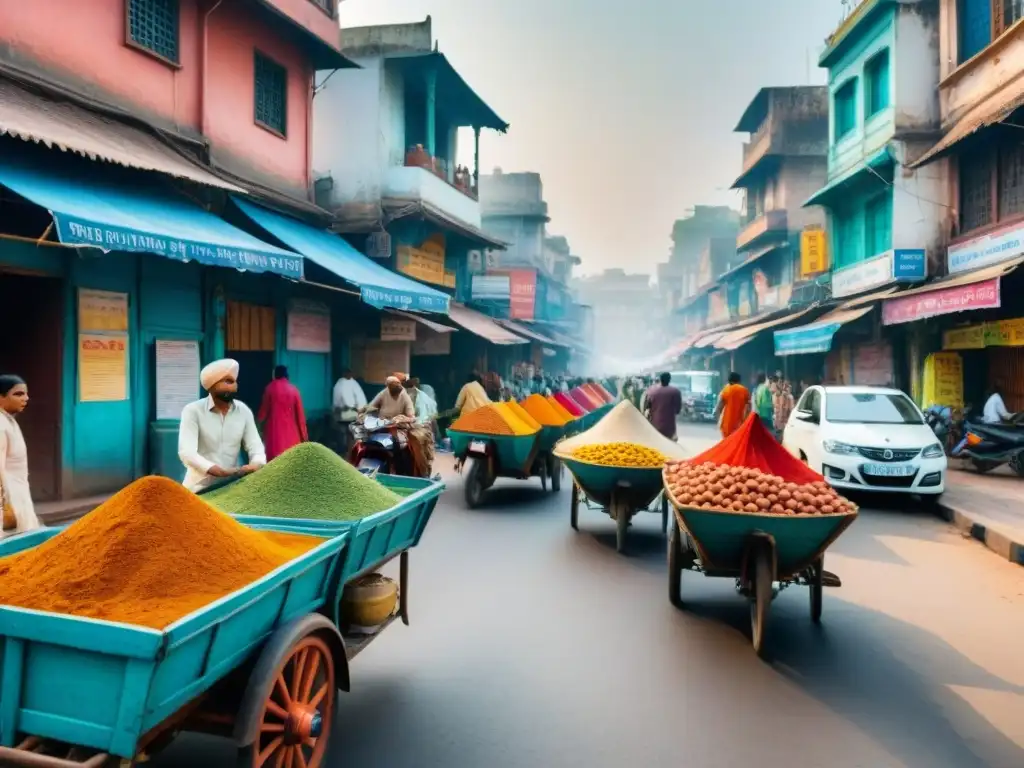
231 79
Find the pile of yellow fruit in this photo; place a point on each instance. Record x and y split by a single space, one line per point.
620 455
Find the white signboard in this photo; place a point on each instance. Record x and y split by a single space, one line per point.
862 276
397 329
988 249
177 377
493 287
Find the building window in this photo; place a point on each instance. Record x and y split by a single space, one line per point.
327 6
876 84
1011 180
153 25
845 108
847 246
1005 13
271 95
878 223
974 24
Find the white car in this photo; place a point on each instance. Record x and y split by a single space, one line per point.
867 439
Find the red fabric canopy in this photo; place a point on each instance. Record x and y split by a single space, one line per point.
754 446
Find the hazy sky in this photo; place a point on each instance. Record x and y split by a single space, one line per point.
626 109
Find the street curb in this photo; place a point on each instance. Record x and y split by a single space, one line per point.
1002 545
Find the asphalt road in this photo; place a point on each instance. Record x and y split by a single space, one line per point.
533 645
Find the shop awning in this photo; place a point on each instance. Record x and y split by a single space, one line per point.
31 116
982 116
378 286
963 292
435 327
838 185
93 212
529 333
737 339
816 337
483 326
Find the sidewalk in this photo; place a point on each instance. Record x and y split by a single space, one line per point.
989 507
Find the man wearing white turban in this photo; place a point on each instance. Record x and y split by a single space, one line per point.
215 429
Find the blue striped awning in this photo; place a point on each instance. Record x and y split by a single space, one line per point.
816 337
95 211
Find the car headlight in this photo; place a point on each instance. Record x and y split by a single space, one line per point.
933 451
834 446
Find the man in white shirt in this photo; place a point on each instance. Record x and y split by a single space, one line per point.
995 409
214 430
348 399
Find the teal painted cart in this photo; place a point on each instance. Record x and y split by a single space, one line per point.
621 492
756 550
261 666
482 459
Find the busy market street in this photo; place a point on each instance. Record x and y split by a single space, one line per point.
533 645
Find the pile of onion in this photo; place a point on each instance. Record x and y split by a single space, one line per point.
742 489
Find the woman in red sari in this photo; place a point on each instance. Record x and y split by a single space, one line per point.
284 421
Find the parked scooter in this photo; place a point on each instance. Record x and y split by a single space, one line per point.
381 447
991 445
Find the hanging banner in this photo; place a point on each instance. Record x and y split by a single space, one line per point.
397 329
102 311
984 295
102 367
813 252
309 327
522 293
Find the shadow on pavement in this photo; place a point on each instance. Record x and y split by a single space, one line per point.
891 678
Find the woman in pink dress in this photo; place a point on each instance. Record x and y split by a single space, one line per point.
284 421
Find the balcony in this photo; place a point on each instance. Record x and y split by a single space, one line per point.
758 146
767 224
413 182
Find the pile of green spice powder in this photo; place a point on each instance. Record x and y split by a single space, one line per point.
309 481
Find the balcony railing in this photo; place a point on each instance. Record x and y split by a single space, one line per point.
757 147
767 223
461 178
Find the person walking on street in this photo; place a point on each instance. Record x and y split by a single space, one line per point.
282 415
733 405
665 403
763 406
347 400
19 514
214 430
782 404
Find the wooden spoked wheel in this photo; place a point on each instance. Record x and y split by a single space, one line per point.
298 713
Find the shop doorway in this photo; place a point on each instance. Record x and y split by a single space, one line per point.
31 347
251 336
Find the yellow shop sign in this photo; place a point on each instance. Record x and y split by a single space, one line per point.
813 252
1000 333
421 264
971 337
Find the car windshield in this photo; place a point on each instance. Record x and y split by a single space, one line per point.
696 383
870 408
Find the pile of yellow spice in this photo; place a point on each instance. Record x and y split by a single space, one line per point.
629 455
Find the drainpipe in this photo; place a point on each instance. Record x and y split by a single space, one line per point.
205 67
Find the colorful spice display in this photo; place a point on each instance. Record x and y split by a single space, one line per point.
586 401
525 416
620 455
308 481
743 489
569 404
596 394
608 396
622 424
483 421
150 555
511 416
560 409
544 412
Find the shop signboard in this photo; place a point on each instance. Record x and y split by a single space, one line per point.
813 252
971 337
983 295
862 276
424 263
309 327
909 265
806 340
397 329
522 293
491 288
991 248
1005 333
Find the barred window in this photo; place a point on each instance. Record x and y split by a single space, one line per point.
153 25
975 190
271 94
327 6
1011 179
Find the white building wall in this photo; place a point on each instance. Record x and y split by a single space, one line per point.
917 68
920 216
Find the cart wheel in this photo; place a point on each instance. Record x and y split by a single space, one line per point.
555 473
675 566
574 508
817 569
542 470
761 599
621 514
473 482
664 513
298 714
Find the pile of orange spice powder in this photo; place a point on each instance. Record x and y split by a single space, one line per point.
150 555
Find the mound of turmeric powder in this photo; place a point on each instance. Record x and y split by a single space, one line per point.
150 555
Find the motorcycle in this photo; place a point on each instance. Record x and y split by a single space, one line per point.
381 446
991 445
